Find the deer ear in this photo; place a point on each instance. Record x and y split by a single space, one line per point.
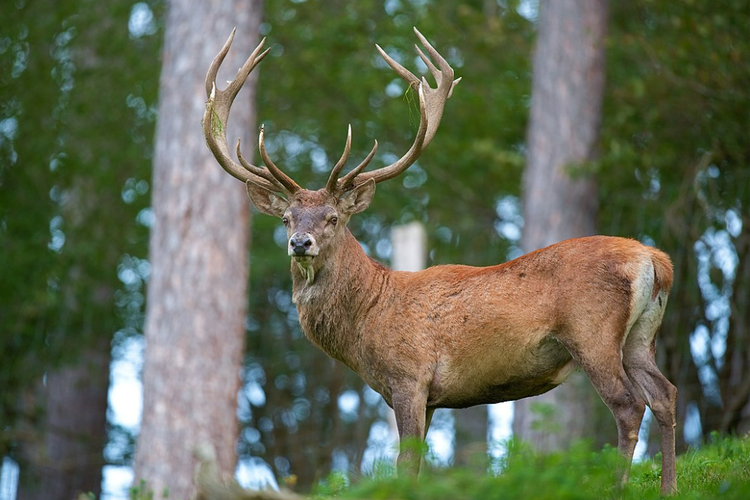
265 200
357 199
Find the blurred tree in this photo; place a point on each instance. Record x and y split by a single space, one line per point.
68 152
196 307
676 171
560 197
470 441
65 457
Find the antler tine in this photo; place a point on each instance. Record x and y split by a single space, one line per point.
443 78
216 117
395 169
286 181
250 63
431 104
404 73
336 170
426 60
260 172
345 183
213 70
445 68
239 80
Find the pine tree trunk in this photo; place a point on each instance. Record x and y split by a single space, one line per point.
470 442
67 460
195 334
560 198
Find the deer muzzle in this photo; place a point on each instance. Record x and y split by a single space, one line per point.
302 245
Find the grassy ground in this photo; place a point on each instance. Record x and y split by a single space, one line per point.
720 469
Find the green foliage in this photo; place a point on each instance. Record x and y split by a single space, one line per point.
77 118
141 491
546 418
334 485
674 94
675 170
718 470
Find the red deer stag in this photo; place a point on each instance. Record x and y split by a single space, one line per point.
455 336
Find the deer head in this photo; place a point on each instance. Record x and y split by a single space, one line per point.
316 220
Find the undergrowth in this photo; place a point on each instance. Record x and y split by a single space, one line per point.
720 469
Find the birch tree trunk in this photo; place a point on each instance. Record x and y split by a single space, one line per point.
560 197
195 334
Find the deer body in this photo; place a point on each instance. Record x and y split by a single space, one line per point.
464 336
456 336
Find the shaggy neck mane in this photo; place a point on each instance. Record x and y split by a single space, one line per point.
331 307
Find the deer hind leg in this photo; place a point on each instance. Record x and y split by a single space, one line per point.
601 361
660 395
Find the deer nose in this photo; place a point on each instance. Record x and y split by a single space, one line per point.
300 243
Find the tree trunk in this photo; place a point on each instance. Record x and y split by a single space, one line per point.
560 198
734 375
195 334
470 442
67 461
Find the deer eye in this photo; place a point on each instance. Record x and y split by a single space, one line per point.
333 220
285 220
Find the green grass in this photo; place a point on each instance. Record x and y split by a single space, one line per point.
720 469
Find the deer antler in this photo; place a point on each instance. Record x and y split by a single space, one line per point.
333 178
215 121
431 105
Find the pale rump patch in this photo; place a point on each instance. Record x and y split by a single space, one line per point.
641 290
647 305
641 335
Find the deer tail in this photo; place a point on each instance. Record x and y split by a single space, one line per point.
663 272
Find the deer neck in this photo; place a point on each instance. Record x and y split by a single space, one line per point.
331 304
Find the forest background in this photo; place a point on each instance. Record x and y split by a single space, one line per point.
78 109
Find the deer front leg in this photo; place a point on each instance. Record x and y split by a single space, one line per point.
410 408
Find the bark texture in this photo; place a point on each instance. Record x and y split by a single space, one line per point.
197 300
470 442
559 197
67 460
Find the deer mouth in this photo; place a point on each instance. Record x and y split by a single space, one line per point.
304 264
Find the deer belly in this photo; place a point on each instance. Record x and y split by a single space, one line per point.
498 380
